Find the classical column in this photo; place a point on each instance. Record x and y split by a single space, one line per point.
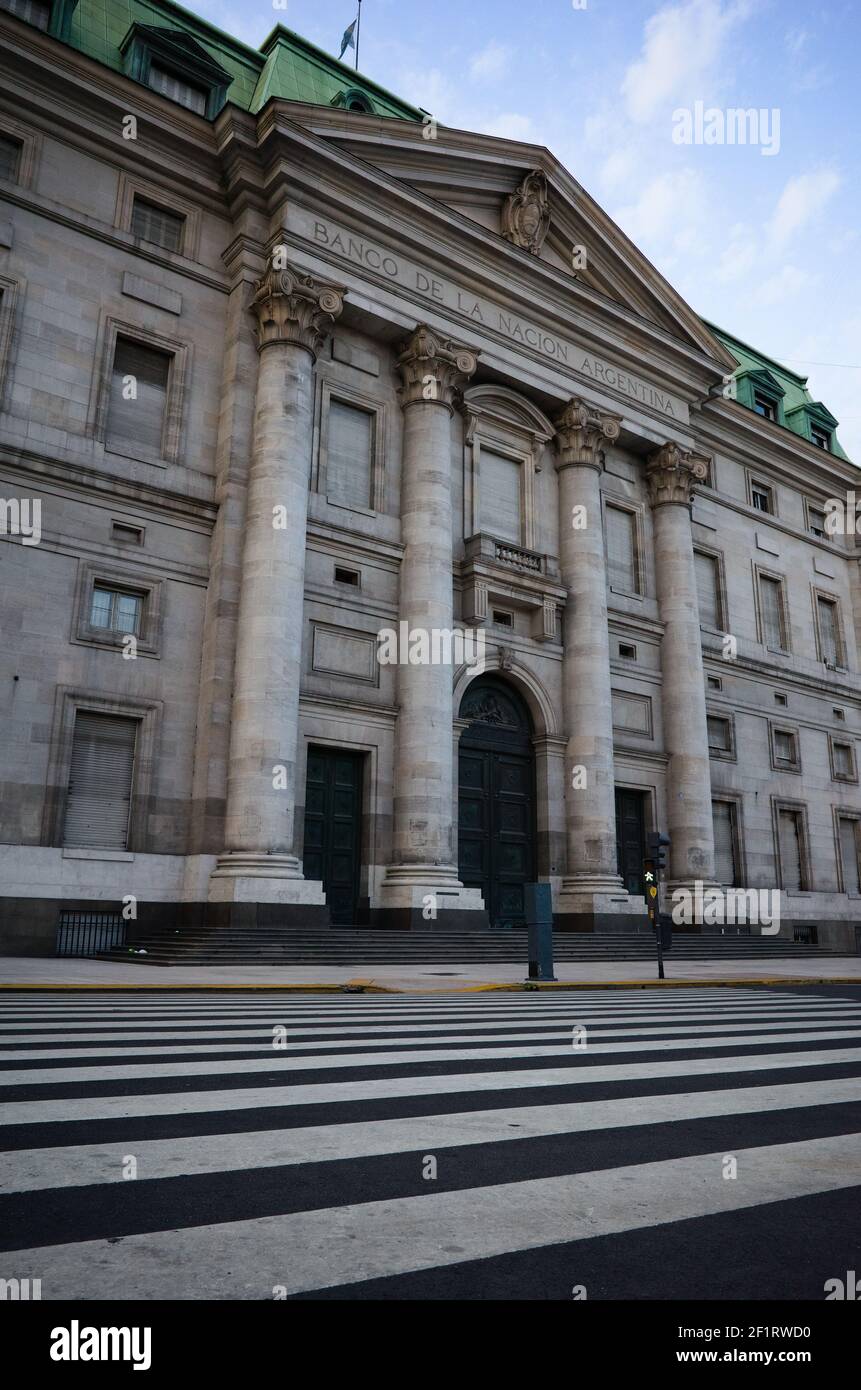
671 474
423 855
294 313
592 884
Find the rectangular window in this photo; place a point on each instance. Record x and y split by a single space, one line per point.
177 89
792 873
116 610
720 734
761 498
708 589
501 483
157 225
100 782
785 748
816 521
35 12
126 534
726 840
763 406
829 632
821 438
844 763
623 571
10 157
345 576
772 613
850 859
349 454
138 397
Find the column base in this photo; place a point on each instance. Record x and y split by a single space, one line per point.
597 903
244 877
415 896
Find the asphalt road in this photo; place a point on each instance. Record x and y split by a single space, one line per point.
432 1148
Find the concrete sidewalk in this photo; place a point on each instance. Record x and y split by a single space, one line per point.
29 972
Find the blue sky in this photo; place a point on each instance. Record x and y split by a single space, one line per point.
768 246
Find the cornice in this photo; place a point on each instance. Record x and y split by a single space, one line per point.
767 521
732 427
63 91
112 236
76 479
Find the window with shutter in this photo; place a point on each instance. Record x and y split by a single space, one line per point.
785 748
719 734
850 860
501 508
10 157
157 225
138 398
844 765
621 532
829 642
708 592
100 782
35 12
791 866
724 823
349 455
771 607
177 89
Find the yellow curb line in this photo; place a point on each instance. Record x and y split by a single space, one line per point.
372 988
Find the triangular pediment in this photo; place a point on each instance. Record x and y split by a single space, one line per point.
481 178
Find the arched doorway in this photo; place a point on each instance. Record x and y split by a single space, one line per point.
496 799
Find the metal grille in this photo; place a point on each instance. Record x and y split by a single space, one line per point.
806 936
85 933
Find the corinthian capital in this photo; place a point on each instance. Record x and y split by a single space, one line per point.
581 432
434 368
295 308
671 473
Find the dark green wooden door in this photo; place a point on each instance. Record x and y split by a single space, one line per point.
333 825
496 801
631 838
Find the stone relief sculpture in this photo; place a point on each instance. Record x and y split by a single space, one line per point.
526 213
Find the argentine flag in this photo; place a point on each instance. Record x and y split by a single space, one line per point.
348 41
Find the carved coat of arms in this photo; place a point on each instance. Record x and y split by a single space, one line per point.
526 213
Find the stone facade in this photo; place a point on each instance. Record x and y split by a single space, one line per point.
522 413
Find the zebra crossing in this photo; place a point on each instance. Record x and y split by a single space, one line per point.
629 1143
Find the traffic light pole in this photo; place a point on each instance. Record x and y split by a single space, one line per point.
652 866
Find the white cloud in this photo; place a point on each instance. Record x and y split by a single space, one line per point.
669 214
784 284
510 125
802 199
682 46
491 63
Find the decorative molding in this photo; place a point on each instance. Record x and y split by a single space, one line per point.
672 472
580 433
526 213
292 307
433 368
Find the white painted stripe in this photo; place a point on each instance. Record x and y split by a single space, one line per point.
79 1165
420 1056
262 1038
344 1245
359 1029
326 1093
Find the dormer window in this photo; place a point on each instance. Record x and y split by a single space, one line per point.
764 406
353 99
177 89
35 12
175 65
821 438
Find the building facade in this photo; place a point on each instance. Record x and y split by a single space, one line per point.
379 531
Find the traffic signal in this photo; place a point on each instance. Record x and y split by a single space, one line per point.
659 850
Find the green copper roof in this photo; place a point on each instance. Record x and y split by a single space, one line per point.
286 66
795 408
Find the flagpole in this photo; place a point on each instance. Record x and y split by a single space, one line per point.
358 35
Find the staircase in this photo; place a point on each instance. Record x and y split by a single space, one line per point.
359 946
